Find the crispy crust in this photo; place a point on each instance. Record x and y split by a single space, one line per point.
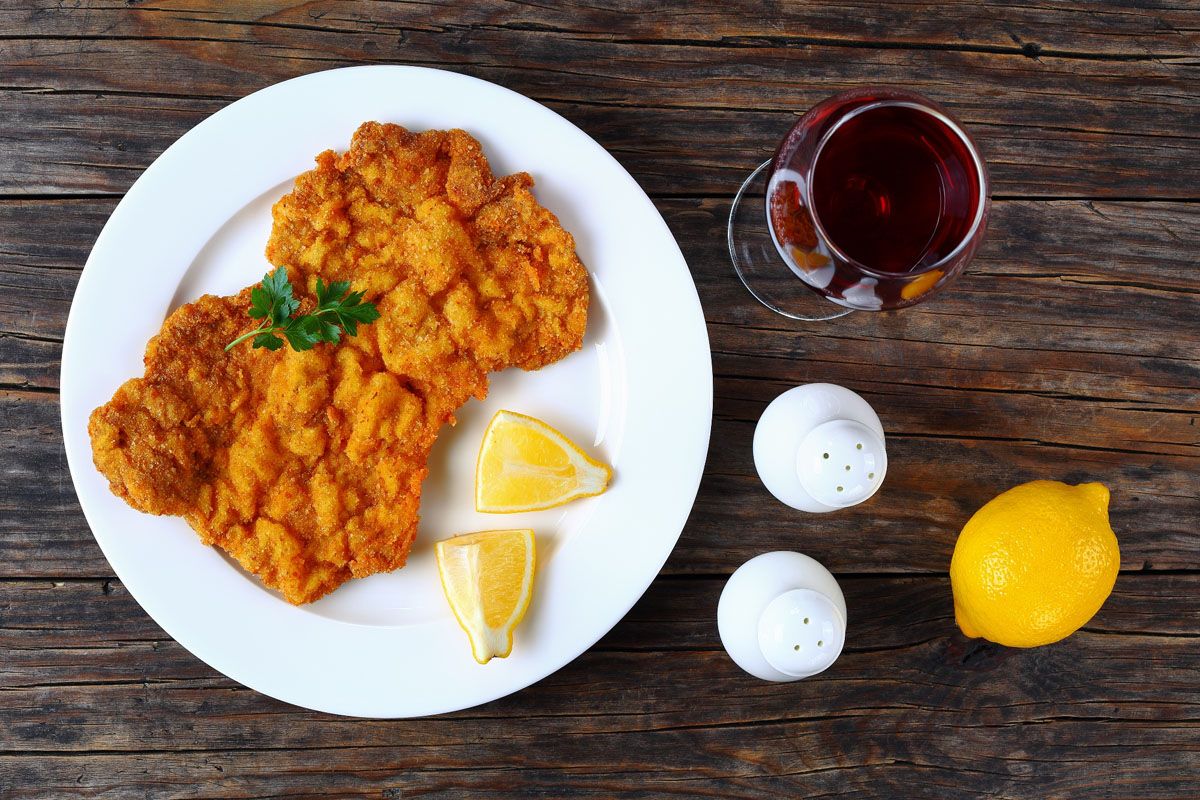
307 467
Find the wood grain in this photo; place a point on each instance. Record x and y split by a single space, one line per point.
1110 29
672 151
1068 350
728 83
911 688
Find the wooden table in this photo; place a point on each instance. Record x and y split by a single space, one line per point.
1069 350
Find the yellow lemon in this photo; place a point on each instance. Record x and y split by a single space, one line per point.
488 579
1034 564
525 465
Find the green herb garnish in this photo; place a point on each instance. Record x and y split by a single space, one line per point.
338 309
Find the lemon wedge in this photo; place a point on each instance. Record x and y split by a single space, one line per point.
488 579
526 465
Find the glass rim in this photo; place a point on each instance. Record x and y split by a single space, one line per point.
980 172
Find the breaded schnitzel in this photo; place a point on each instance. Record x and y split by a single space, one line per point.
306 467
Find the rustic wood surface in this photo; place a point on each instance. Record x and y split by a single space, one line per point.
1068 350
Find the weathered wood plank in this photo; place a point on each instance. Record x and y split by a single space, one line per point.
1110 28
84 654
99 143
45 620
1151 761
1049 125
41 524
38 273
28 363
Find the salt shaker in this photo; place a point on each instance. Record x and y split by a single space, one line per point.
782 617
820 447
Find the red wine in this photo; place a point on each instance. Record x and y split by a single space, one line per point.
876 199
895 188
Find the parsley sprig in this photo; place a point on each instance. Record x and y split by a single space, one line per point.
338 309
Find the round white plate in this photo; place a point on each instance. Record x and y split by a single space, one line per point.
639 395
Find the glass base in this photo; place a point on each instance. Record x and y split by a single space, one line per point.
759 265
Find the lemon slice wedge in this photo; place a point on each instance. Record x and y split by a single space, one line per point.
488 579
526 465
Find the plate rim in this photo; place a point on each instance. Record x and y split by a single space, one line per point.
79 453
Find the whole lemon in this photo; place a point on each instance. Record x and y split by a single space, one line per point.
1034 564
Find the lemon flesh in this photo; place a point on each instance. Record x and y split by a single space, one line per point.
1034 564
526 465
488 579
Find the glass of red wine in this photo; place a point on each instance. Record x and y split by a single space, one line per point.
875 200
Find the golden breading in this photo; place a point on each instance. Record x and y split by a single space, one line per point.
307 466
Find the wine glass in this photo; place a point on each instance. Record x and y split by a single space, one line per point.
875 200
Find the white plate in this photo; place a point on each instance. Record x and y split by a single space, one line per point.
639 393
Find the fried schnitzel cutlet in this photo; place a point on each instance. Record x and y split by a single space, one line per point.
306 467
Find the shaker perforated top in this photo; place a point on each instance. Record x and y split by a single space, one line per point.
820 447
